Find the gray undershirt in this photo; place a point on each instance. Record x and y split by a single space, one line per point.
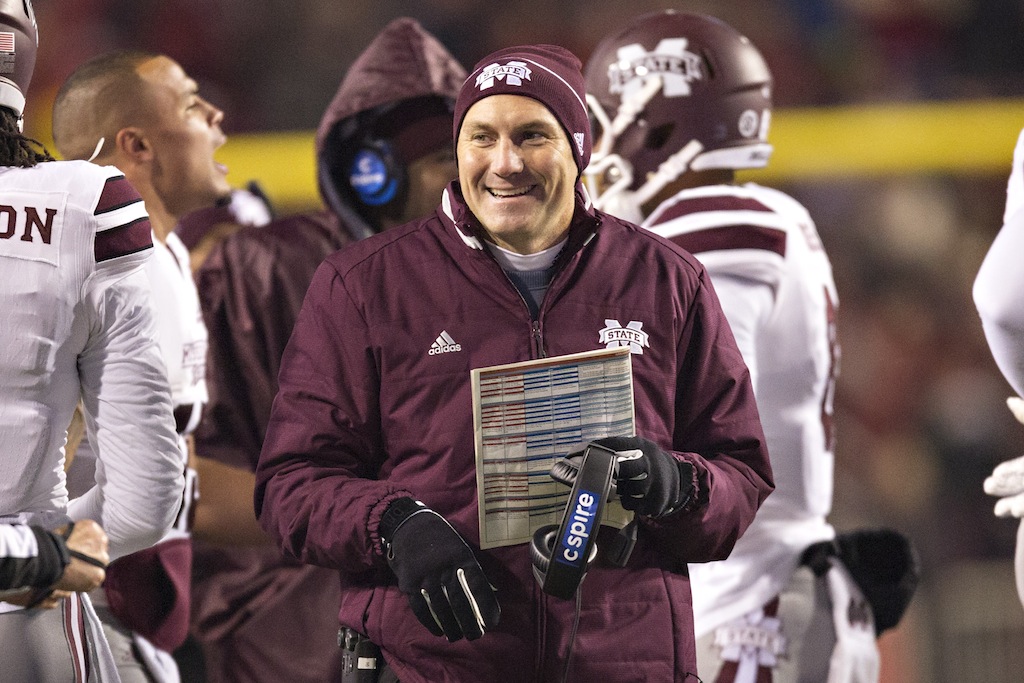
530 273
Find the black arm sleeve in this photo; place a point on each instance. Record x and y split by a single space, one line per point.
40 571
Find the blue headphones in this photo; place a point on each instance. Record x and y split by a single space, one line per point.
374 174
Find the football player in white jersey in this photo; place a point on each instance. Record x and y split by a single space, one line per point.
142 113
997 295
77 325
680 101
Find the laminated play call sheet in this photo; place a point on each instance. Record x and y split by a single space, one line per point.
526 415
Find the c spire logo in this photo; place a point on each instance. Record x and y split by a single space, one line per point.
632 335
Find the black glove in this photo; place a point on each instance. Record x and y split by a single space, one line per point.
438 572
649 481
887 569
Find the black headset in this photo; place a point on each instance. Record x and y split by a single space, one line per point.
360 172
562 553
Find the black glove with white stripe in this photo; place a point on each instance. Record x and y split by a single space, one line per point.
649 481
438 572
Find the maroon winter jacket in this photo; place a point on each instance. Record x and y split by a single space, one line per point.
260 616
366 414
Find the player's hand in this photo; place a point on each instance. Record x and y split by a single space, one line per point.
87 545
649 481
1007 479
438 572
44 598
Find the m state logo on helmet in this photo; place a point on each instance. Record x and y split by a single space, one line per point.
634 66
675 91
18 43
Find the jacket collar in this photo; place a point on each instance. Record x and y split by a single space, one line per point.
457 217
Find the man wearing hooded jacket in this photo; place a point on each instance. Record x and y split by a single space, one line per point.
368 464
383 156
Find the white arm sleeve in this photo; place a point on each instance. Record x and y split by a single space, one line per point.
997 295
1015 185
746 304
1018 562
127 402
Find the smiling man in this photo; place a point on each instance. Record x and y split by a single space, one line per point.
517 172
368 464
143 114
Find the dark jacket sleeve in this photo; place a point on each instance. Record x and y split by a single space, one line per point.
20 569
314 494
248 332
718 430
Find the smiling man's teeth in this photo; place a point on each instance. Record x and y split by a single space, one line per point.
509 193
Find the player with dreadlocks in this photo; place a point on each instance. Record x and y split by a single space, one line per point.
77 326
16 149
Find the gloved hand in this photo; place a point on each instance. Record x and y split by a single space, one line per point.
438 572
649 481
1007 479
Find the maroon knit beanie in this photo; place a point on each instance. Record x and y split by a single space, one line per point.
549 74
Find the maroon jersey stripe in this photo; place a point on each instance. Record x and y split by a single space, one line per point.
124 239
722 202
117 193
74 629
733 237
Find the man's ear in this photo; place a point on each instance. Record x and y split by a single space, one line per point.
131 143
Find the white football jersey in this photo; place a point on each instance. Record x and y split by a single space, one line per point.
181 331
76 322
774 280
182 337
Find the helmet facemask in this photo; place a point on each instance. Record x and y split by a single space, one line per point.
673 92
609 176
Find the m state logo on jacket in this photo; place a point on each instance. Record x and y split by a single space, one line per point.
632 335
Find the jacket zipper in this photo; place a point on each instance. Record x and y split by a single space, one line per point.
536 335
538 341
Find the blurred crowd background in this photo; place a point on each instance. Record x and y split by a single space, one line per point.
920 403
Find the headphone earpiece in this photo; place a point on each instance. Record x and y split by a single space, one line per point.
541 546
564 471
562 554
375 175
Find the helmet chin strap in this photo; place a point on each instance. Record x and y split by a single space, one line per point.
670 169
619 200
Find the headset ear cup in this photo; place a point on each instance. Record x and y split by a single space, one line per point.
540 548
565 470
374 174
543 544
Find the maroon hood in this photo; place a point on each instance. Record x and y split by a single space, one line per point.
404 62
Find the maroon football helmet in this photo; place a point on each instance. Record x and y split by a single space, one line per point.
18 43
673 91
